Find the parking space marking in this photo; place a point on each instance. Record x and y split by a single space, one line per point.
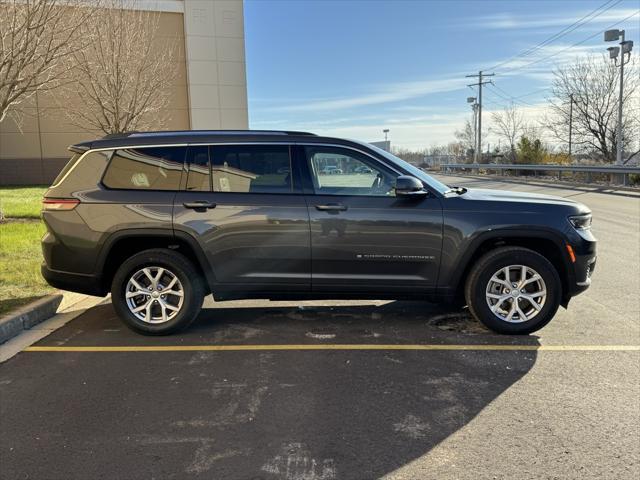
233 348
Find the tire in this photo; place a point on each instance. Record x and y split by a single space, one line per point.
486 284
185 294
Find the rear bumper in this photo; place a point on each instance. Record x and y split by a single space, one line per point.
74 282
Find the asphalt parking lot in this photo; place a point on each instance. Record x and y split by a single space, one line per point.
343 390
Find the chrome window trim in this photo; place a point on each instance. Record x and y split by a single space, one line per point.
303 144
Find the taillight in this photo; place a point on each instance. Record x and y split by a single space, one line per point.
59 204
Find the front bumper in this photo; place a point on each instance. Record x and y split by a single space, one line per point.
584 247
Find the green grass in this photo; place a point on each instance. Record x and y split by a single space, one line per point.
20 260
21 202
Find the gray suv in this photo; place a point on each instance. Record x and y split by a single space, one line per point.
161 219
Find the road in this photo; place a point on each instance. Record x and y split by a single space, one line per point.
562 403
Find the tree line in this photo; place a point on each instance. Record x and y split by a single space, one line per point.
584 94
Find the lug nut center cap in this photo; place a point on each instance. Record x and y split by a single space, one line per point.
515 293
155 294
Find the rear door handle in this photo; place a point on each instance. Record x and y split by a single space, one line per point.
332 207
199 205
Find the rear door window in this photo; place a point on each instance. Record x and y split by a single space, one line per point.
198 169
251 168
147 168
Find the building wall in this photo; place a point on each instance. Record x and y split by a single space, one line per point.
209 92
214 36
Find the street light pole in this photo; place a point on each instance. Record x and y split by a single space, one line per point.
625 47
619 130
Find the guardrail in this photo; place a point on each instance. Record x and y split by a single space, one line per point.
588 169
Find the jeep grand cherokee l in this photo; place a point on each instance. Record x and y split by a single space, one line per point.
161 219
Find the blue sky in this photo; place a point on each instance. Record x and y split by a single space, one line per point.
352 68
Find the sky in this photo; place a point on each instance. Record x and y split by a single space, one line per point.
353 68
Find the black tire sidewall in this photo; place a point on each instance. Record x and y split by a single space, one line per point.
179 266
486 269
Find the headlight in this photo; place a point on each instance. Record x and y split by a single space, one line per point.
581 222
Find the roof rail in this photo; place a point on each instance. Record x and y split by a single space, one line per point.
159 133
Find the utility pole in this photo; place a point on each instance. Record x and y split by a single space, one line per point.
480 75
570 122
474 107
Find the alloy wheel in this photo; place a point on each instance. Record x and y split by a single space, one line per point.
516 293
154 295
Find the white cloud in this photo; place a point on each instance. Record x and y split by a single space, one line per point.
414 132
507 21
390 93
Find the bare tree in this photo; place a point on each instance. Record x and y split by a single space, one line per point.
456 149
593 83
123 77
509 124
415 157
467 137
35 37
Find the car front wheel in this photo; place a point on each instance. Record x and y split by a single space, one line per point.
157 292
513 290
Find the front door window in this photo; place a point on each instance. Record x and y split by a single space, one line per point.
338 171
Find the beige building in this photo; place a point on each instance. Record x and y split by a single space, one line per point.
210 91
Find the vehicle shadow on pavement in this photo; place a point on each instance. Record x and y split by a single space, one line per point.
263 414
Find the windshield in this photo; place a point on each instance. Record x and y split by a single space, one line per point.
415 171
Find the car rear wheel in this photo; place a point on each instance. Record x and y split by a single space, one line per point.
513 290
157 292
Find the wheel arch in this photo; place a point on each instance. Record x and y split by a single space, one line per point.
123 244
548 244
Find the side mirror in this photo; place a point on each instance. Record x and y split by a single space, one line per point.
407 186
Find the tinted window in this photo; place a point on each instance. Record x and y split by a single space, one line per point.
199 175
74 159
251 168
152 168
338 171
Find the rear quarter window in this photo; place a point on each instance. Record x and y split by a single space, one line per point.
70 164
151 168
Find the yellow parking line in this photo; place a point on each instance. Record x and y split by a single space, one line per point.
233 348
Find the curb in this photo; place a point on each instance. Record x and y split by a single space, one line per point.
28 316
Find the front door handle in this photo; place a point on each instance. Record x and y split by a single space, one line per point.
332 207
199 205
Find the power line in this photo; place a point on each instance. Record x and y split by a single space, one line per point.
515 98
491 102
571 46
534 92
565 31
509 96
